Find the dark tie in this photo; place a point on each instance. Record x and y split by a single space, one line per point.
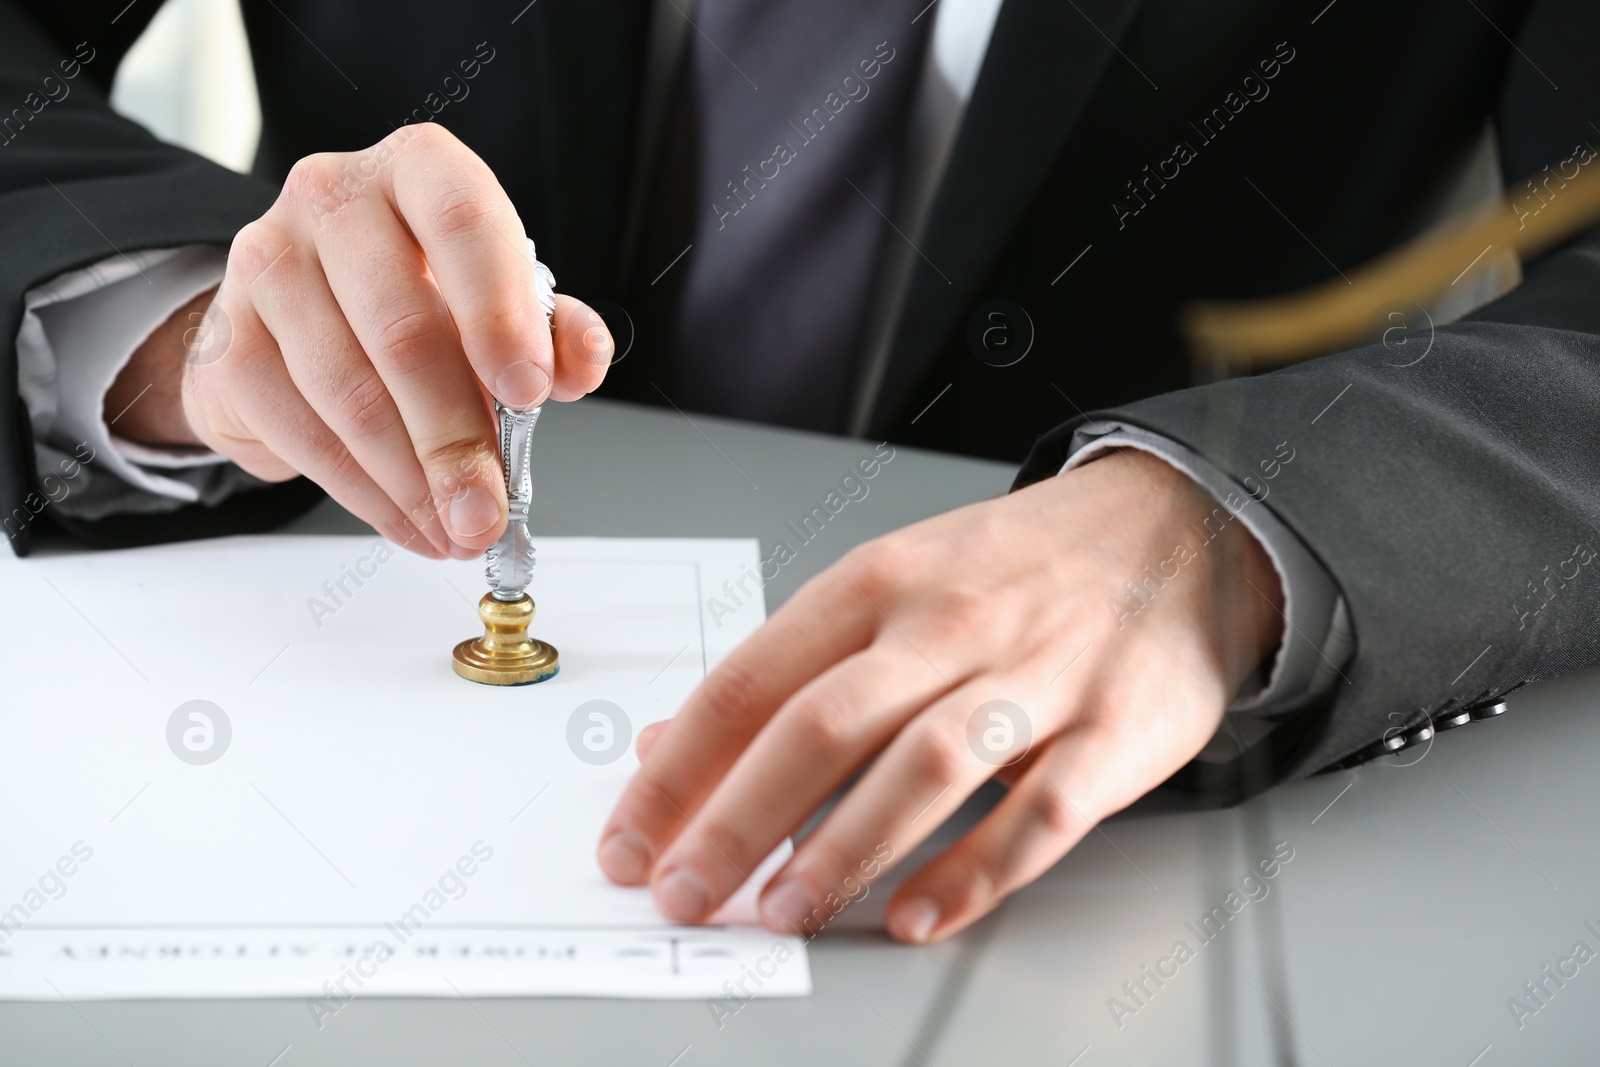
780 155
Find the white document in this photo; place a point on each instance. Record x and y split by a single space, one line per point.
346 816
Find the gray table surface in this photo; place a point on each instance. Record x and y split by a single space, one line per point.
1421 895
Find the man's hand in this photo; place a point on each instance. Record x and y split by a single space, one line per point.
893 655
361 328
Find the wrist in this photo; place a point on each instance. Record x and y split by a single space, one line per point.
145 401
1242 610
1263 592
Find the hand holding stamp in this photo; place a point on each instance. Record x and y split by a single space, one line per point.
505 654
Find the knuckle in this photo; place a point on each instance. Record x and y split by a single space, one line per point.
729 695
1051 809
245 240
978 887
960 612
312 178
826 725
399 140
458 460
421 137
341 464
367 409
254 248
938 755
460 210
412 341
499 323
879 568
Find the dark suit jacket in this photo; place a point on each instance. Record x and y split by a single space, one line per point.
1166 149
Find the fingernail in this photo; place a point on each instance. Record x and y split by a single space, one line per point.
473 511
682 897
522 384
624 858
915 919
786 909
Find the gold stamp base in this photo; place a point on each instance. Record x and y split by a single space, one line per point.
505 654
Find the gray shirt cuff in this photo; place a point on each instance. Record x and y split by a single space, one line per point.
78 331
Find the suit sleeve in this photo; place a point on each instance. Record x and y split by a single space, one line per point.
79 183
1455 499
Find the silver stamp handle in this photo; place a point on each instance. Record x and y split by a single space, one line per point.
510 559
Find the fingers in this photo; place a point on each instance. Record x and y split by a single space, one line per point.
1130 737
401 321
648 735
920 779
817 739
1136 719
473 240
1050 809
327 365
281 435
988 601
401 295
719 719
583 349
